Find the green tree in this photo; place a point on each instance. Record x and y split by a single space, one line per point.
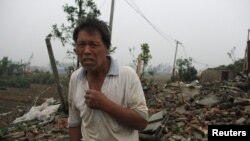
186 71
5 66
8 68
145 56
81 10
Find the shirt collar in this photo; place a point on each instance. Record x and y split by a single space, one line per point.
114 67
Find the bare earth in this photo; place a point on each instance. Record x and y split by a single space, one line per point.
14 102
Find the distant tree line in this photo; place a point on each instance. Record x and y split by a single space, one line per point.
236 67
13 74
9 68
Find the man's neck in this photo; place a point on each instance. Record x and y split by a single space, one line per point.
101 72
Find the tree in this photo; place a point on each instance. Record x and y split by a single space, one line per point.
145 56
4 63
235 67
186 71
83 9
8 68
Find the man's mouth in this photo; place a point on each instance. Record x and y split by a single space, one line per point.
88 61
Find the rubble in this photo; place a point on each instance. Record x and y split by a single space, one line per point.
190 108
41 123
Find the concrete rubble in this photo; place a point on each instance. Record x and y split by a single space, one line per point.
182 112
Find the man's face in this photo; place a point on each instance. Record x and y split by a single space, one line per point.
91 50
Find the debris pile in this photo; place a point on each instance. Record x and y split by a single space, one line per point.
41 123
182 112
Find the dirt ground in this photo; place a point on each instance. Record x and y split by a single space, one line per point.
14 102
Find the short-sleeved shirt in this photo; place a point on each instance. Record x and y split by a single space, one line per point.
122 86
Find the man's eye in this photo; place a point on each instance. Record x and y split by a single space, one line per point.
90 44
80 44
93 44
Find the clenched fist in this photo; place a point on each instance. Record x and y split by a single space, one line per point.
95 99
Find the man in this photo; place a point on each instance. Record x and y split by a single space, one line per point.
106 102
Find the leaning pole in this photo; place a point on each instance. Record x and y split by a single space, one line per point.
55 72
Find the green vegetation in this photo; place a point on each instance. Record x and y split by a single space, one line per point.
74 14
186 72
24 81
11 81
235 67
16 75
81 10
145 56
7 67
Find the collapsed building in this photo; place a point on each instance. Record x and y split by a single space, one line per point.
216 75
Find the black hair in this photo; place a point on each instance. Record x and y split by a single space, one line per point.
90 24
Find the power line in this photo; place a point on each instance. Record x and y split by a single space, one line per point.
138 11
134 6
194 60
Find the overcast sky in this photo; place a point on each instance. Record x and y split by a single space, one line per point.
207 29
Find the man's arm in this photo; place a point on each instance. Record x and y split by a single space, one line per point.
125 116
74 119
75 133
128 117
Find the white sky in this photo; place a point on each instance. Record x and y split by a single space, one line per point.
208 29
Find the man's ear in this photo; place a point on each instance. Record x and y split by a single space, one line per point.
107 50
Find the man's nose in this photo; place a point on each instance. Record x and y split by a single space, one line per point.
87 50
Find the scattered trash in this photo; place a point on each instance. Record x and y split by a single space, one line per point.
45 112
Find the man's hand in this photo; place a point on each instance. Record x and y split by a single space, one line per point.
95 99
125 116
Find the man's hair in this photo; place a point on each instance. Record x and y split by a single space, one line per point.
92 25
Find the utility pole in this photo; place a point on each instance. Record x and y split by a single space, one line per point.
111 17
248 52
248 61
173 73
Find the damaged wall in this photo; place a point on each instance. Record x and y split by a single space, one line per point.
213 75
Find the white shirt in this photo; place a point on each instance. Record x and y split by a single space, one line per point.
123 87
